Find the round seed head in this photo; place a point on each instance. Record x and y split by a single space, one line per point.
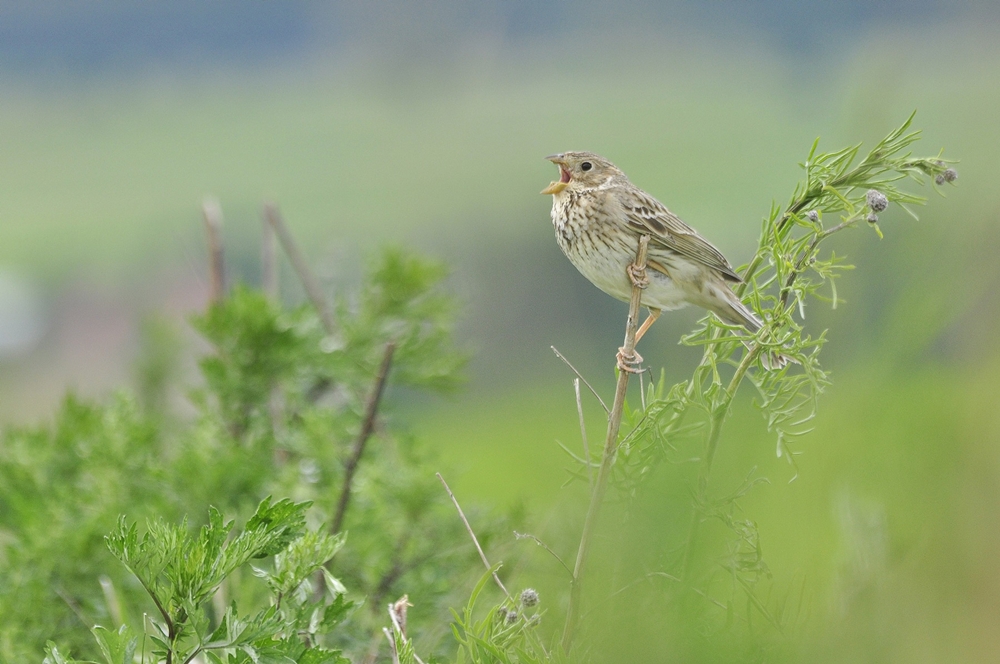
511 617
812 215
877 200
529 597
950 175
939 178
872 218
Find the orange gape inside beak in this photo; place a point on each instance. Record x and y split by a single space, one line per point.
557 187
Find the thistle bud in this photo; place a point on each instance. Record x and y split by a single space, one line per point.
813 216
872 218
529 597
939 178
877 200
950 175
511 617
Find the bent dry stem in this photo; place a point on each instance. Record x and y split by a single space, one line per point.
610 446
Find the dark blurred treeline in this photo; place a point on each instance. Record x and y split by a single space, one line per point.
88 37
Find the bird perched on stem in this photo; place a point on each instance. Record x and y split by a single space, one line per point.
599 216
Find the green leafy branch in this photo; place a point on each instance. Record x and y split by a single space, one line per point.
181 571
781 360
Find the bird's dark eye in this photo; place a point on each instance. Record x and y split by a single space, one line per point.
586 166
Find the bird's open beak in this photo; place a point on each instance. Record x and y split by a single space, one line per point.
556 187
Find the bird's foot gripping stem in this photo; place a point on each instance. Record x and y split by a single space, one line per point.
630 362
637 275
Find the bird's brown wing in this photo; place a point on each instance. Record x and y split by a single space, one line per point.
645 214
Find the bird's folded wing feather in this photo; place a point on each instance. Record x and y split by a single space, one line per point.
647 215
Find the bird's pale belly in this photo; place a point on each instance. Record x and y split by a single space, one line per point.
606 270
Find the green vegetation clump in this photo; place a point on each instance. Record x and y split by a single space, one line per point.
283 407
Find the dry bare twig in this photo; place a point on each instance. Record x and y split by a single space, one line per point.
212 212
308 279
482 555
367 427
268 260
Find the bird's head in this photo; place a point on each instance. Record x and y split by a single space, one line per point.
581 170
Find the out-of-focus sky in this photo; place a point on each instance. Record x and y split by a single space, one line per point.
95 37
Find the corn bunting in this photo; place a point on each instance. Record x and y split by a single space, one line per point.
599 216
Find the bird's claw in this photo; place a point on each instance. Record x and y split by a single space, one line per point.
629 362
637 275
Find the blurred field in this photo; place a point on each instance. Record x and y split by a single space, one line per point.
102 182
103 179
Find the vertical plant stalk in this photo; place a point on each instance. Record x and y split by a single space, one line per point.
308 279
610 448
269 284
367 427
268 260
212 213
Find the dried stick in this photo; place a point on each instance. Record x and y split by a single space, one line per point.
212 212
269 283
391 636
583 432
580 376
268 260
397 614
367 427
309 282
637 273
482 556
545 546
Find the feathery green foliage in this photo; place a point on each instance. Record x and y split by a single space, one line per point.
281 411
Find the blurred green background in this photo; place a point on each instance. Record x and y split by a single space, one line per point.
425 124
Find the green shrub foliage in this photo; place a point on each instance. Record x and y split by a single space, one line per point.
279 411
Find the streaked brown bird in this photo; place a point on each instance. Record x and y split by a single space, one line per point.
599 216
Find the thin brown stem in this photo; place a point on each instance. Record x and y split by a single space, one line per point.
610 448
472 534
545 546
212 212
580 376
309 282
367 427
268 260
583 433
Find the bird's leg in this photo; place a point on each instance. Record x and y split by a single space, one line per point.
648 323
629 363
